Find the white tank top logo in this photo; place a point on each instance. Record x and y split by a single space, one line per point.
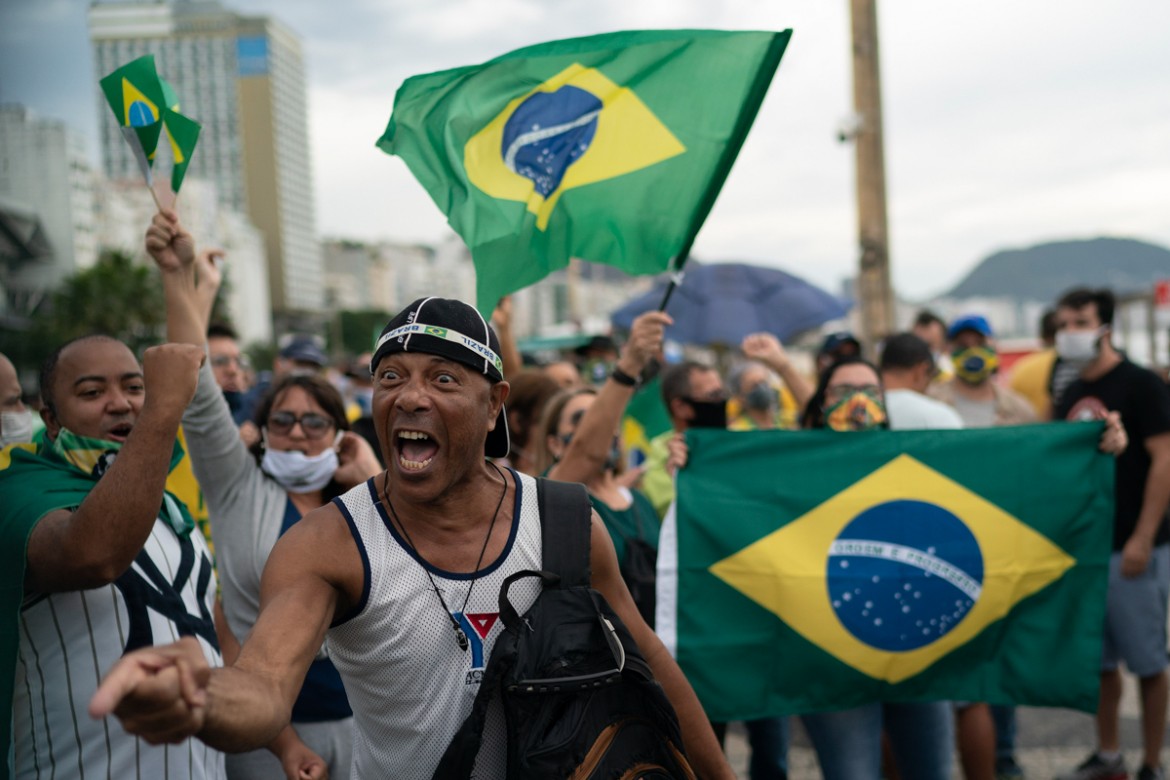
477 626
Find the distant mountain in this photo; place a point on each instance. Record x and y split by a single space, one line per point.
1042 272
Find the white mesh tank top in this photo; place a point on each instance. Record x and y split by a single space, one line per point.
408 682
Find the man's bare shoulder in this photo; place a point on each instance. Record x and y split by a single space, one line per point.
320 543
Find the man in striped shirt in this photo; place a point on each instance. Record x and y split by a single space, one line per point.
97 559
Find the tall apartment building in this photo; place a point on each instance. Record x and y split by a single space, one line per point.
243 79
45 171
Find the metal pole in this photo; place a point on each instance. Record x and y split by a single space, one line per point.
874 292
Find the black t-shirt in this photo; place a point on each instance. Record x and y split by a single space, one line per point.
1144 402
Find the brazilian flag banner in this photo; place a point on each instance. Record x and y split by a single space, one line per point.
816 570
610 148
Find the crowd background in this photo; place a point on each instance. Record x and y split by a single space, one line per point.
568 417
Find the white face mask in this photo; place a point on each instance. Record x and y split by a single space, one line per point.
1077 346
299 473
15 427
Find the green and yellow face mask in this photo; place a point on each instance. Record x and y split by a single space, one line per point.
975 365
861 410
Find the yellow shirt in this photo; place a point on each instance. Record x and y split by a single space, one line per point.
787 418
1030 376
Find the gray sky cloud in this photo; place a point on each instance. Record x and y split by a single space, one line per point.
1006 123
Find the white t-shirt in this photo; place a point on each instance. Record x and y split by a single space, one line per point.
911 411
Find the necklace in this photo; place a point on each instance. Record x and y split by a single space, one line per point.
460 636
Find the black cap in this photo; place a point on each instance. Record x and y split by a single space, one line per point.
304 349
454 330
834 342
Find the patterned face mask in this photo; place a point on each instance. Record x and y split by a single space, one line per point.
859 411
93 458
975 365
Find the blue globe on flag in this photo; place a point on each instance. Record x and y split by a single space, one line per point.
140 114
904 573
548 132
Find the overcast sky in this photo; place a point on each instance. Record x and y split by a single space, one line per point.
1007 122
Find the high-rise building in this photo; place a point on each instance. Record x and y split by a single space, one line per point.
44 171
243 79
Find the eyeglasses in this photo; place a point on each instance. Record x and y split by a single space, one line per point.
314 425
220 361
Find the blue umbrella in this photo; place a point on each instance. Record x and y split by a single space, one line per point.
723 302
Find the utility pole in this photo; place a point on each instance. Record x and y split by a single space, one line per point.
874 293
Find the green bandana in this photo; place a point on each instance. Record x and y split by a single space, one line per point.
93 457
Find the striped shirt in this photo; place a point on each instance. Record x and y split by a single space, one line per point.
69 640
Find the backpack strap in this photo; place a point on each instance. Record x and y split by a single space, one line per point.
565 524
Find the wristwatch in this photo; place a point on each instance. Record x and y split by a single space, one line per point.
622 378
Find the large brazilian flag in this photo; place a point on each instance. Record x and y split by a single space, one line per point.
610 148
816 570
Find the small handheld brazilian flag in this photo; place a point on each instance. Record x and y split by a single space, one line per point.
814 570
610 148
147 109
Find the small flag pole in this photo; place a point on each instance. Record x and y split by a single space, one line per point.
154 196
676 275
676 278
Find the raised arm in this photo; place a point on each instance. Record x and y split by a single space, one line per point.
208 278
219 458
167 694
173 251
509 350
589 448
702 749
95 543
767 349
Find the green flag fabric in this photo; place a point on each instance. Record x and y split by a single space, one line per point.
137 97
146 107
814 570
182 133
646 417
610 148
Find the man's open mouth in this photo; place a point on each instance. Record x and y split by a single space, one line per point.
120 431
416 450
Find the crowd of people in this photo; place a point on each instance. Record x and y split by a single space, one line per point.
298 574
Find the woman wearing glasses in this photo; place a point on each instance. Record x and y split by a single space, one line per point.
848 743
306 456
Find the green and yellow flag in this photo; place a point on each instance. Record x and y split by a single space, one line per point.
146 107
815 570
610 148
646 417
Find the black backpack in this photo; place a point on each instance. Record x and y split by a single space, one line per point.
578 697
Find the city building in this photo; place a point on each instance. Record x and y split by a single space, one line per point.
241 77
45 174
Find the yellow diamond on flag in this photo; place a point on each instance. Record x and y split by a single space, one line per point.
137 109
576 128
895 571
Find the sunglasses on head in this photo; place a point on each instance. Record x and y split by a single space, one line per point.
314 425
